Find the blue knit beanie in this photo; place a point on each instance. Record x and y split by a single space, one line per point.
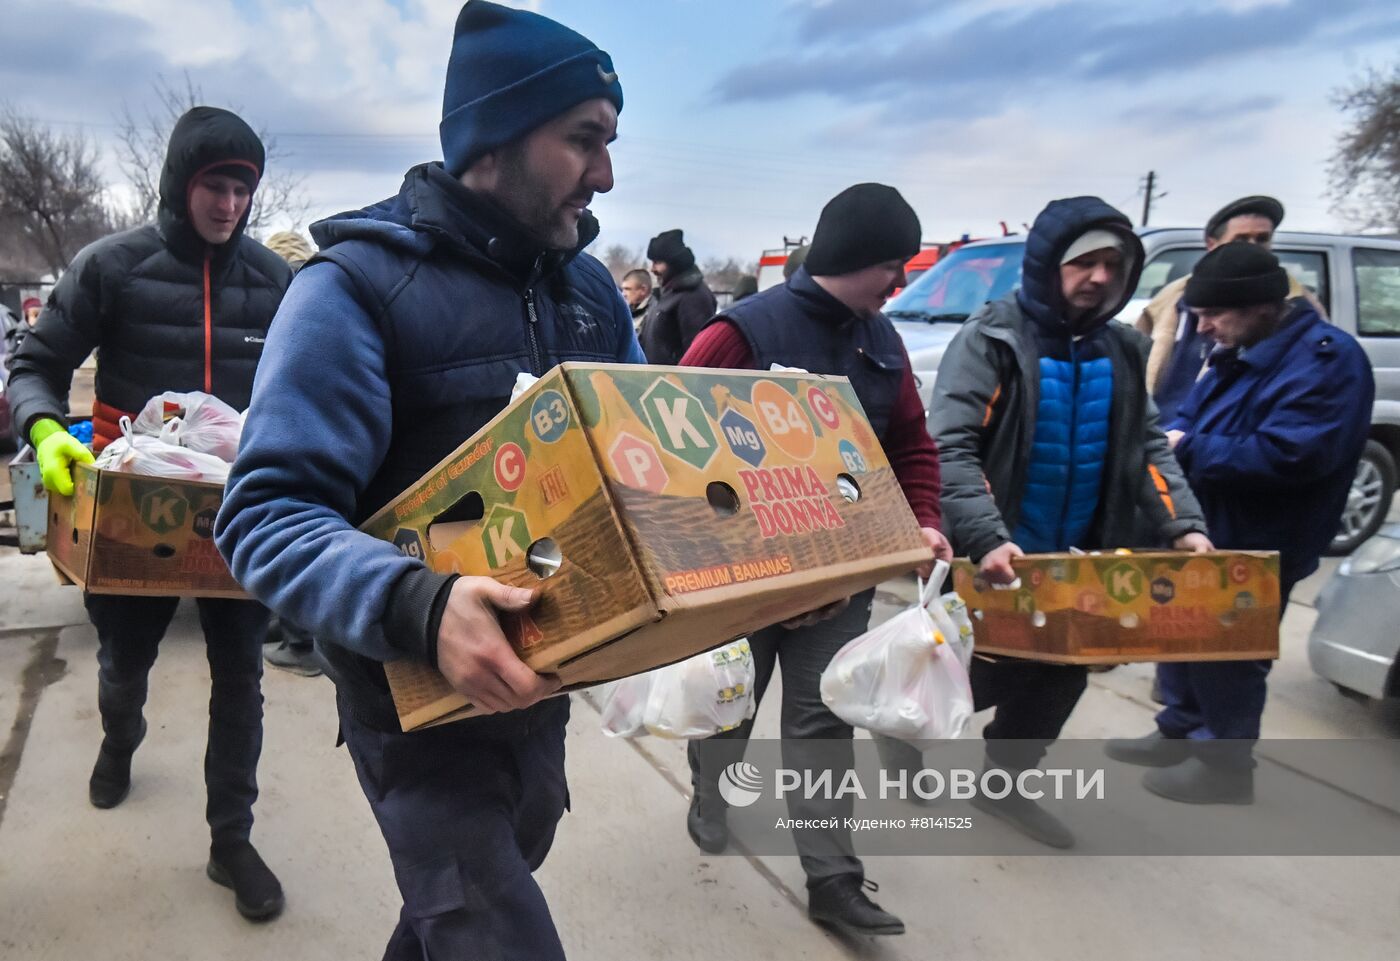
511 71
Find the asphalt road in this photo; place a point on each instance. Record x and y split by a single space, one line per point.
623 880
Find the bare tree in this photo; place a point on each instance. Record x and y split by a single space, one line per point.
1365 170
619 259
51 192
141 146
722 274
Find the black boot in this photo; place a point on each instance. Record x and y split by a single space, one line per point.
1151 750
841 903
111 775
256 890
1026 816
707 824
1195 782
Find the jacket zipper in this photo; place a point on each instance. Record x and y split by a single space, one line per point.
208 331
1073 444
532 333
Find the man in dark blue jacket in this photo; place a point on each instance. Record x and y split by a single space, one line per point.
401 339
1269 439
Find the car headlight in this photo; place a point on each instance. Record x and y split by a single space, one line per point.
1379 555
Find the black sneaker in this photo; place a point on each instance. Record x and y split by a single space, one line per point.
1026 816
111 775
842 903
708 824
1150 750
1195 782
292 658
256 891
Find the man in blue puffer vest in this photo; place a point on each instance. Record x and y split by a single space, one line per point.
1047 440
1269 438
395 344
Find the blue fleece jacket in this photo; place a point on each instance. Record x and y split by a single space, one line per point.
394 346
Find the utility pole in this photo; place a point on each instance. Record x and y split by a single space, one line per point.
1149 194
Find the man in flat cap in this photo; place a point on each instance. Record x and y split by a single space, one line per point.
1179 349
1269 440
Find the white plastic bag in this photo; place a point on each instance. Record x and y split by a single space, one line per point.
953 619
702 695
905 678
523 382
134 453
624 703
695 698
204 423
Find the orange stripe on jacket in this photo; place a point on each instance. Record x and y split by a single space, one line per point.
1164 491
996 395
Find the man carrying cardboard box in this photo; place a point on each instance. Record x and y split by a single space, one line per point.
400 340
826 319
183 305
1269 439
1048 441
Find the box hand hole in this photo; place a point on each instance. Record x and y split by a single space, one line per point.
723 498
847 487
163 551
544 558
453 522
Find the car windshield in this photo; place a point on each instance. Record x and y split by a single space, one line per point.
959 284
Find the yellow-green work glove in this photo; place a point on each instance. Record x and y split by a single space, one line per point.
57 451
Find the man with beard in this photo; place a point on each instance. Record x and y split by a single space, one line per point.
401 339
682 303
1048 441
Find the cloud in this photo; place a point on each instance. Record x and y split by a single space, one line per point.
1006 56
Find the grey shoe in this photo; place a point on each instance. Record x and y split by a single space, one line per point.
1029 818
1195 782
295 659
1151 750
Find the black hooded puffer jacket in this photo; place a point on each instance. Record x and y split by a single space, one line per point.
165 309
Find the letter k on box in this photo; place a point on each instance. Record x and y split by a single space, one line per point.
660 512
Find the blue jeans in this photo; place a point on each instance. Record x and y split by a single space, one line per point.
468 811
129 632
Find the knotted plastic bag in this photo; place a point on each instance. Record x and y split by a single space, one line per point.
906 678
204 423
157 456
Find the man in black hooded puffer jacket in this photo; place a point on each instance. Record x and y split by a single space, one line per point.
182 305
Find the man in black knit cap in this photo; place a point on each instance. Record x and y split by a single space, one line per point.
826 319
1269 440
682 303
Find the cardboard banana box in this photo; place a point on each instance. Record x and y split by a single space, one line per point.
132 534
661 511
1120 608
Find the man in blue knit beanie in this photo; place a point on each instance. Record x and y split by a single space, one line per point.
396 343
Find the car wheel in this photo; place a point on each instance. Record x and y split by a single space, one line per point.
1368 501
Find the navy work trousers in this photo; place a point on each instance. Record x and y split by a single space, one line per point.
468 811
129 632
1217 701
804 652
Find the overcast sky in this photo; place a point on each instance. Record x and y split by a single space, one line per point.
743 117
